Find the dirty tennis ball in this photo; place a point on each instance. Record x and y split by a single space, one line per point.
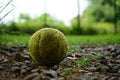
48 46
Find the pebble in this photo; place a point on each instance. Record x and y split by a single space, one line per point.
105 78
16 64
118 57
95 78
50 73
28 69
114 78
23 72
105 69
118 61
118 52
23 66
26 57
102 62
119 71
93 53
1 61
35 70
5 60
27 62
89 74
1 68
33 76
16 69
60 78
116 69
114 55
110 66
37 77
18 57
83 71
94 69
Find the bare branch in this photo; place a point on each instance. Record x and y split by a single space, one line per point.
6 5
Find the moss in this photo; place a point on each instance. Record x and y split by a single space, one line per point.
48 47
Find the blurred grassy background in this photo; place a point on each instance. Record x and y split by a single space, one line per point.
74 41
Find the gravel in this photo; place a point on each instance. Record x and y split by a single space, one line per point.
19 66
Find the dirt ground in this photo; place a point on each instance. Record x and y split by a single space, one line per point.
16 64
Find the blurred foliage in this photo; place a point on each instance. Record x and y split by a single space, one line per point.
98 18
103 10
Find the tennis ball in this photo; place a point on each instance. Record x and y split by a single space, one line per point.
48 46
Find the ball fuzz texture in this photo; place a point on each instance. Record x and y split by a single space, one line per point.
48 46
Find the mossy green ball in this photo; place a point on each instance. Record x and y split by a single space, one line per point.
48 46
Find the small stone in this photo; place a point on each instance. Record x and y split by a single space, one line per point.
37 77
27 62
93 53
1 61
93 69
26 57
82 71
114 55
32 76
89 74
118 71
14 75
95 78
18 57
78 55
16 64
106 69
118 52
60 78
23 71
25 52
105 78
5 67
16 69
107 53
23 67
118 57
113 50
115 69
110 66
1 68
5 60
110 47
50 73
118 61
114 78
35 70
102 61
98 68
55 67
28 69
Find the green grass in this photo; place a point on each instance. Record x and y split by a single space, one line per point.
97 39
9 40
75 41
85 61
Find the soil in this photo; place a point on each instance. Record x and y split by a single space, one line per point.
16 64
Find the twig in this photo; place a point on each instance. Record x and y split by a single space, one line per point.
6 5
6 15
